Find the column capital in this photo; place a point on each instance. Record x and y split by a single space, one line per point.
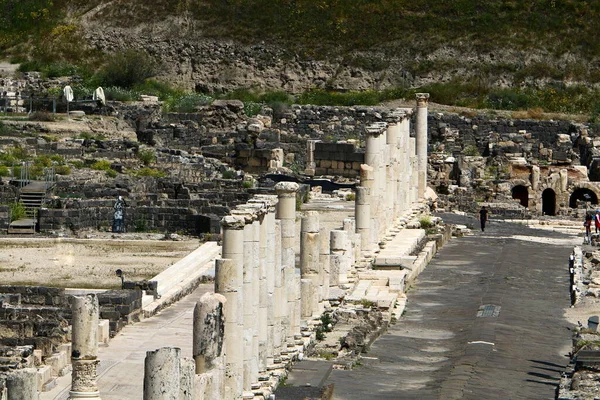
233 222
422 99
286 189
375 129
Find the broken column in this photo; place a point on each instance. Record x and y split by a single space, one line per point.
209 334
162 375
369 232
310 157
421 136
362 212
84 348
21 384
230 269
309 264
286 213
340 257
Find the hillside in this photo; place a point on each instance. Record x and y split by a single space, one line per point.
470 47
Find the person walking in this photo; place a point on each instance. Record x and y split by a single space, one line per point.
483 217
597 221
588 228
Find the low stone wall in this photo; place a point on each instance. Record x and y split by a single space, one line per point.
121 307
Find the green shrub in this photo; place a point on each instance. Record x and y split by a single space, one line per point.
78 164
17 211
126 69
101 165
155 173
117 93
187 103
471 150
228 174
4 170
62 170
425 222
111 173
350 197
6 130
146 156
248 184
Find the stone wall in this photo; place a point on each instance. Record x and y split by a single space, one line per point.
120 307
339 159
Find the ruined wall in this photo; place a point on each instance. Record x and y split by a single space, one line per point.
340 159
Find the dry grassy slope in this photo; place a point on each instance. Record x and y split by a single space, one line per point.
344 44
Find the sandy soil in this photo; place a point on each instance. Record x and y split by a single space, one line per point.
87 263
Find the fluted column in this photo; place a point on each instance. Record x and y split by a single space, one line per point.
421 136
286 213
84 352
404 164
231 270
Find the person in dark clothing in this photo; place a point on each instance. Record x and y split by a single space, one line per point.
483 218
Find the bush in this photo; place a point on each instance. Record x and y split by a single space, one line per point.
101 165
62 170
425 222
187 103
146 156
155 173
228 174
4 170
126 69
471 150
111 173
17 211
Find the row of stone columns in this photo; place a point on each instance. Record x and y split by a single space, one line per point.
394 174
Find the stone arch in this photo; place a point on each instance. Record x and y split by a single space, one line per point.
582 194
521 193
548 202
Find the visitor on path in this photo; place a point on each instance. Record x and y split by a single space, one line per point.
597 220
483 217
119 216
588 228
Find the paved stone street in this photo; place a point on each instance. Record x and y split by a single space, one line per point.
440 349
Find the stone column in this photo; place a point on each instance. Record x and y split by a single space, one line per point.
162 375
279 298
374 159
362 212
414 171
310 157
209 329
310 270
324 265
391 197
564 180
349 225
21 384
405 166
233 270
286 213
250 294
340 259
187 374
84 348
421 136
535 177
367 181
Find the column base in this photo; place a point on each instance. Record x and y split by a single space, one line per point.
84 395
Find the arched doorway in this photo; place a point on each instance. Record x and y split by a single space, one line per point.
548 202
521 193
582 194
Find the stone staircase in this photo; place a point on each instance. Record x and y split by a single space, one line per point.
32 196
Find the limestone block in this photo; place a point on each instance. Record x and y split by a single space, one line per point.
22 384
186 383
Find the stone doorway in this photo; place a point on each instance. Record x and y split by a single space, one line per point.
548 202
582 194
521 193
